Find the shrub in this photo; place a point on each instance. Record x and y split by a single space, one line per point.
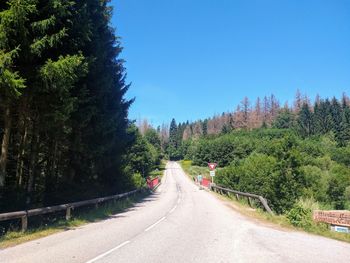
138 180
301 213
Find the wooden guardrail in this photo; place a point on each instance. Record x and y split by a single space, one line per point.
23 215
261 199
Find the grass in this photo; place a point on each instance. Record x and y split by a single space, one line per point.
193 171
260 215
13 237
159 171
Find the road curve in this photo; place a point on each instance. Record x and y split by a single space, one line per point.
179 223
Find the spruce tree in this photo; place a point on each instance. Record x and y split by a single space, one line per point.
68 127
14 16
305 122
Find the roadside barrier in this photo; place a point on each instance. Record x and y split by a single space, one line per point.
249 196
153 183
206 182
23 215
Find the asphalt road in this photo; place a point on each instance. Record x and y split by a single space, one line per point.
179 223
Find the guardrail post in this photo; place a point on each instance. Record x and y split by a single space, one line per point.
68 213
237 197
264 203
250 202
24 221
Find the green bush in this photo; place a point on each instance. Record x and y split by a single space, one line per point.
301 213
138 180
278 164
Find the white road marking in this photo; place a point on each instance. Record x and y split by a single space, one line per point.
172 210
156 223
108 252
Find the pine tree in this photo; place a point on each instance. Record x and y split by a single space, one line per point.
205 127
69 125
305 122
336 113
323 121
173 134
344 134
13 30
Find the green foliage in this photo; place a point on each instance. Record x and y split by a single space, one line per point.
256 174
152 137
138 181
141 156
347 193
279 165
62 83
316 182
301 214
284 120
305 122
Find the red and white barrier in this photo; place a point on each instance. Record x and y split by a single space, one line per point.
152 183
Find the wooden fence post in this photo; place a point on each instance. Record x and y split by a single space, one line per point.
68 213
24 220
264 203
250 202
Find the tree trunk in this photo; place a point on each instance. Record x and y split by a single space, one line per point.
20 157
33 164
50 173
5 145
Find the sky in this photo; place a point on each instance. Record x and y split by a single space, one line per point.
191 59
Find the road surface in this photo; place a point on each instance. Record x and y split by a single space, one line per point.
179 223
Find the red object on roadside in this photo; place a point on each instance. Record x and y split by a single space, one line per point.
152 182
205 182
212 166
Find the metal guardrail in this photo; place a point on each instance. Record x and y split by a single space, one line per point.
261 199
23 215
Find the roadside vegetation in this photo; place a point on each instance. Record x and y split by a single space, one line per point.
298 159
298 218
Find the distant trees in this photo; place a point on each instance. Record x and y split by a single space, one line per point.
173 148
285 154
321 118
305 122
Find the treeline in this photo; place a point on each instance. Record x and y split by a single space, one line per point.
64 128
322 117
294 153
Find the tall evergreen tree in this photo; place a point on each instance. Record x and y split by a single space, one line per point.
173 133
13 31
323 121
344 134
69 126
305 122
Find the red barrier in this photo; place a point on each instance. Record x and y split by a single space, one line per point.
206 182
152 182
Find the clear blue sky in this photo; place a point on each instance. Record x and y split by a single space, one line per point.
190 59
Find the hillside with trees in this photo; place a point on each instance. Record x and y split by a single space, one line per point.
286 154
64 127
